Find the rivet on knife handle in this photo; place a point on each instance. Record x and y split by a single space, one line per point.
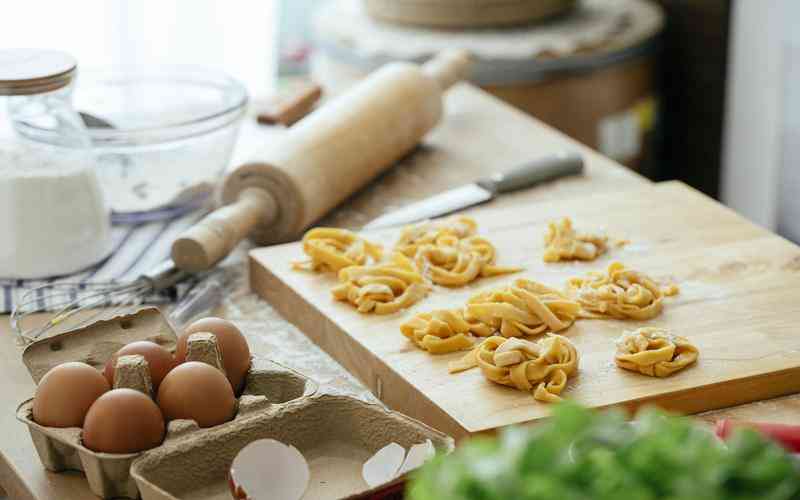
541 170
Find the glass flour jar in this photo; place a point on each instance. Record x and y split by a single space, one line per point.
54 219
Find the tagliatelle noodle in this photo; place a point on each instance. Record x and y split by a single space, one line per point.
449 253
429 233
382 288
562 242
618 293
443 331
541 367
654 352
331 249
523 308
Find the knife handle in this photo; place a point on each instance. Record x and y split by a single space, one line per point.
540 170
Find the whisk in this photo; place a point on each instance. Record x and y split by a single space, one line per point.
76 304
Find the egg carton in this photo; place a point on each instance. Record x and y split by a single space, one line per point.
268 387
336 434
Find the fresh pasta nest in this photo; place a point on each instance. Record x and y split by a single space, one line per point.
520 309
330 250
443 331
562 242
523 308
445 253
382 288
618 293
449 253
654 352
432 233
541 367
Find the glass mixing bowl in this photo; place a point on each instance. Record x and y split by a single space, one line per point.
161 135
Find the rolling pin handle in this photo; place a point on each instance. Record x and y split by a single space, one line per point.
448 67
212 239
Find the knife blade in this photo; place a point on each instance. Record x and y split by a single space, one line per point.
540 170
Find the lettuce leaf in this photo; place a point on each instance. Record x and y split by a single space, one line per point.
580 454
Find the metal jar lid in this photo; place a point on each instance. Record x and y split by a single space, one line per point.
34 71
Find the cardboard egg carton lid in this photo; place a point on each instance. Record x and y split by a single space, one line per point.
95 343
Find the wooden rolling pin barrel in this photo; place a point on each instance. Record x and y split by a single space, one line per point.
323 159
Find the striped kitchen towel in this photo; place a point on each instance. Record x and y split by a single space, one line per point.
138 248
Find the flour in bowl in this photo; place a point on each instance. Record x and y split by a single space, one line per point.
53 217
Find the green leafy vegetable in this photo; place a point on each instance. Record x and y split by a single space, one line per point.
579 454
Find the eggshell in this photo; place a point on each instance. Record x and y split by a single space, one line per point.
159 359
232 345
417 456
65 394
123 421
199 392
269 470
392 461
383 466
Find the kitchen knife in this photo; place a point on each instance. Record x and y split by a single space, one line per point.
540 170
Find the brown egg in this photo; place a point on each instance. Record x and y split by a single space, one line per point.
123 421
159 359
65 394
197 391
232 344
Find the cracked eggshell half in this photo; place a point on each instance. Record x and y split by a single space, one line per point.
267 469
384 465
416 456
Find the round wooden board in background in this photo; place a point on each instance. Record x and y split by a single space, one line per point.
590 73
454 14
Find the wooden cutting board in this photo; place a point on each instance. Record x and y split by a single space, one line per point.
739 303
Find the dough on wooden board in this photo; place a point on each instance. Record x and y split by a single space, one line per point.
382 288
443 331
331 249
654 352
541 367
450 253
524 308
619 293
444 253
563 242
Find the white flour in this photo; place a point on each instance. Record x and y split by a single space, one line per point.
53 217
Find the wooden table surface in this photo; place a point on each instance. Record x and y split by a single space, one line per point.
478 136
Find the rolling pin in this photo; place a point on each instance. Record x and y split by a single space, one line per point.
322 160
